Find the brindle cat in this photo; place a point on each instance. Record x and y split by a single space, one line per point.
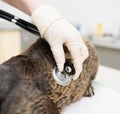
27 85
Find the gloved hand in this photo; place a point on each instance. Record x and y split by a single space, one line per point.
57 31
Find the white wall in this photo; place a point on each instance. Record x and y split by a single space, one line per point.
89 12
84 12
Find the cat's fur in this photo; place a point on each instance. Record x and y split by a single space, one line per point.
28 87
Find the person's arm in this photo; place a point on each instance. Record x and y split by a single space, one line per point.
27 6
56 30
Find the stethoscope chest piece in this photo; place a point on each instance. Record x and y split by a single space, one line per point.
61 78
64 78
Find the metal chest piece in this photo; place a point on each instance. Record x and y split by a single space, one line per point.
64 78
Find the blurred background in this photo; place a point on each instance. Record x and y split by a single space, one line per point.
97 20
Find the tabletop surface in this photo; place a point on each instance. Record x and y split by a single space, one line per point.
107 95
105 101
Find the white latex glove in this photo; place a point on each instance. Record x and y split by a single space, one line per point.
57 31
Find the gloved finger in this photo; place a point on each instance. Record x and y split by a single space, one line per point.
78 68
77 60
84 52
59 56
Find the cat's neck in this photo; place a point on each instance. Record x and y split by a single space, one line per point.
39 50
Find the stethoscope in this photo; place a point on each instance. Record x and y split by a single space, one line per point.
20 22
62 78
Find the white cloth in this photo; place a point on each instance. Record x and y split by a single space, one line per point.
105 101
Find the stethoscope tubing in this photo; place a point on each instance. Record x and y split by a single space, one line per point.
20 22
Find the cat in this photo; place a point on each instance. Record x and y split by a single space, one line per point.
27 85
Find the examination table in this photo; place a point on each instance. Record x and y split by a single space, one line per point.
107 95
